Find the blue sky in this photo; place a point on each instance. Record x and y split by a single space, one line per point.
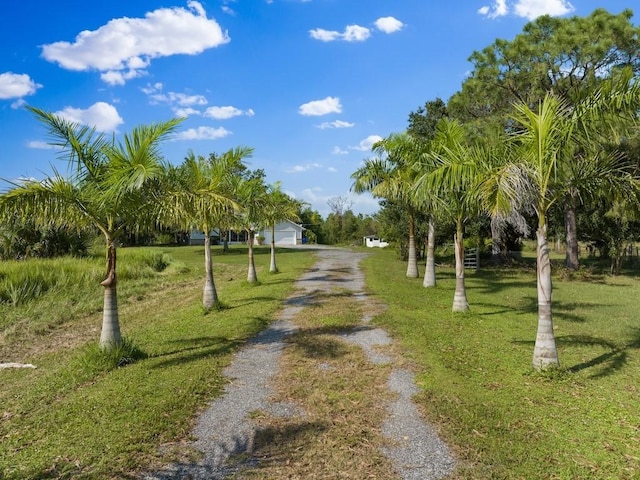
310 84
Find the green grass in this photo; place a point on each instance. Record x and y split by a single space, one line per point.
477 383
76 416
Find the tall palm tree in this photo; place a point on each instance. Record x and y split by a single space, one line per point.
109 185
451 172
390 175
279 206
549 137
201 193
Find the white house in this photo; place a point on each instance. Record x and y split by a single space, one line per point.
373 241
286 233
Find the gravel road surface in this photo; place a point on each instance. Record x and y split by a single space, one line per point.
225 427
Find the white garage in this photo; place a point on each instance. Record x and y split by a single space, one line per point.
286 233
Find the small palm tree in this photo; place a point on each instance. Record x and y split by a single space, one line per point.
252 195
391 175
110 186
279 206
201 193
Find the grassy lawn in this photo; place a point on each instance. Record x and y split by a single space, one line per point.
502 420
72 417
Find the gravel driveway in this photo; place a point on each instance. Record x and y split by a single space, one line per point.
225 427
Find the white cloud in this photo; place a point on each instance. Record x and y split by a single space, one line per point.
180 99
302 168
101 115
325 35
336 124
339 151
151 89
314 197
498 9
186 112
203 133
18 103
352 33
389 24
318 199
223 113
366 144
124 47
356 33
321 107
529 9
532 9
16 85
181 103
40 145
332 169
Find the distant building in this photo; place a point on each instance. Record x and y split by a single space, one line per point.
373 241
286 233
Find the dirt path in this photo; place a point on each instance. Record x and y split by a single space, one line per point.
226 428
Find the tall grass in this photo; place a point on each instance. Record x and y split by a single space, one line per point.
477 382
82 415
71 286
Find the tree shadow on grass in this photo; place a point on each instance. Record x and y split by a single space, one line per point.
608 362
603 365
329 277
272 443
495 281
500 309
561 310
193 349
316 343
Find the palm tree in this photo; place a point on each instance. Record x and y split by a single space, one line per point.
280 206
201 193
603 117
549 137
451 171
390 175
109 186
252 196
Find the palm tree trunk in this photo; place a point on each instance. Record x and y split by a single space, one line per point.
412 264
430 266
545 354
571 233
272 266
110 336
460 297
209 294
496 241
252 277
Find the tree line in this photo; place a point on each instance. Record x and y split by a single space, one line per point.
120 188
542 137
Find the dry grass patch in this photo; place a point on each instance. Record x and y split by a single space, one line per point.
343 396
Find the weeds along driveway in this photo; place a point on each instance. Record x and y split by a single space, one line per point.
262 428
